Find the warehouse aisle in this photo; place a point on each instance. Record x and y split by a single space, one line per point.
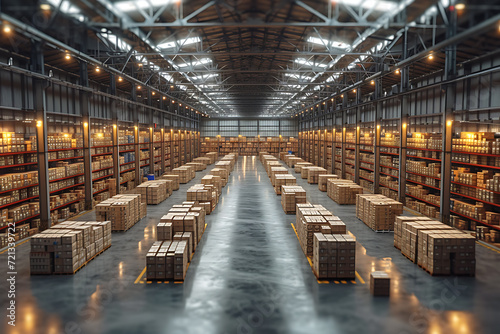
249 275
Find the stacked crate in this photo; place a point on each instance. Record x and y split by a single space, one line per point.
214 180
167 260
343 191
283 180
205 194
380 283
334 256
154 192
204 160
189 217
314 174
290 196
437 248
174 181
66 247
377 211
292 161
124 211
304 171
323 179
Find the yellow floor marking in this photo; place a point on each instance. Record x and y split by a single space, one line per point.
166 282
19 244
179 282
159 282
336 282
359 277
323 282
488 247
354 282
140 276
149 282
343 282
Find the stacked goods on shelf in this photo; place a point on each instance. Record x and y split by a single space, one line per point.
11 142
377 211
198 166
274 171
22 232
167 260
65 248
422 193
421 167
186 173
214 180
334 256
223 173
380 283
425 209
283 180
343 191
312 218
205 194
18 180
290 196
299 165
476 211
323 179
154 192
124 211
487 235
213 156
438 248
174 180
313 174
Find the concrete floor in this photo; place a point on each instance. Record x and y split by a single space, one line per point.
249 275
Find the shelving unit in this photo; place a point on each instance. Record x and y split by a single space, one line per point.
249 145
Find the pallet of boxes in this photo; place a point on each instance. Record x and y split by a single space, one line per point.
324 237
204 160
298 166
186 173
68 246
274 171
290 196
213 156
155 192
178 235
323 180
281 180
124 211
343 191
174 180
205 194
197 165
377 211
437 248
223 173
314 173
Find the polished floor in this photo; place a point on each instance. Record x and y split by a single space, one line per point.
249 275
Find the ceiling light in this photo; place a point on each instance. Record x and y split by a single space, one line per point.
97 69
138 87
431 57
153 93
460 6
45 6
372 82
164 97
397 71
120 79
67 56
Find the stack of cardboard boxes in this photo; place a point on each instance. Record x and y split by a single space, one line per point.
213 180
124 211
175 180
283 180
323 179
334 256
290 196
155 192
167 260
206 195
437 248
343 191
377 211
298 166
66 247
313 218
223 173
204 160
198 166
380 283
186 173
314 174
276 171
213 156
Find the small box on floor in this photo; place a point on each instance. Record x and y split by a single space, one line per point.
380 283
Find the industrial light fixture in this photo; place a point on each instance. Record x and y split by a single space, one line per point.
173 101
164 97
138 87
354 90
460 6
431 57
7 29
342 95
397 71
372 82
97 69
67 56
172 86
45 6
378 127
153 93
114 126
84 124
39 124
449 123
140 64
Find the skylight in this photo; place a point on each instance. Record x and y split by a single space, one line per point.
66 6
180 42
325 42
202 61
116 41
298 77
133 5
381 5
304 61
204 76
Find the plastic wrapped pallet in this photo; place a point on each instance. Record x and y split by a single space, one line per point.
298 166
214 180
66 247
204 160
198 166
323 179
186 173
377 211
293 161
154 192
343 191
275 171
213 156
205 194
223 173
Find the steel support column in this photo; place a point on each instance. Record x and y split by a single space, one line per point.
137 154
343 111
376 142
403 130
87 157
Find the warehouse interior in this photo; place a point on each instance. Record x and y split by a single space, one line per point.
249 166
